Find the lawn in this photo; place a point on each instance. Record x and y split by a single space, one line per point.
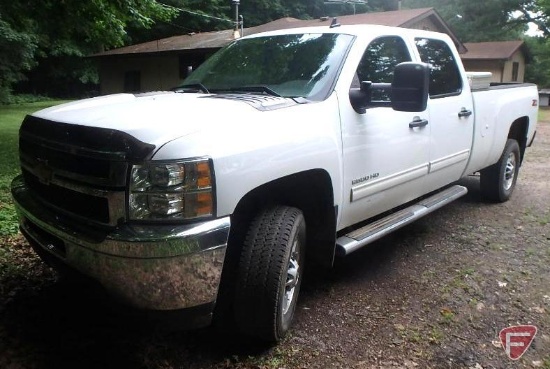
544 114
11 117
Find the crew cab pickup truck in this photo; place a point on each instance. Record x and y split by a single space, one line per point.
284 148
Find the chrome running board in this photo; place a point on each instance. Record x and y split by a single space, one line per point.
378 229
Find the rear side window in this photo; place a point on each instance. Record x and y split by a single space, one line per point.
445 77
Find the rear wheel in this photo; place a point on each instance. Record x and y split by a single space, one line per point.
499 180
270 273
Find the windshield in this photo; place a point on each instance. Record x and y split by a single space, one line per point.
296 65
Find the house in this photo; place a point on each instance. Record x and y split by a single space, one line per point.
506 60
544 97
163 64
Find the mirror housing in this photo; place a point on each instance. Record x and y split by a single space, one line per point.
410 87
408 91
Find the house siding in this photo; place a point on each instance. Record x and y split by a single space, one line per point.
493 66
157 72
544 99
508 67
427 25
501 69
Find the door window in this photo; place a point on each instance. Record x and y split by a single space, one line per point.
379 61
445 77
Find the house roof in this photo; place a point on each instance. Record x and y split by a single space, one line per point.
206 40
497 50
214 40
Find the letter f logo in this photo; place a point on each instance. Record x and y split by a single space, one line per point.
517 339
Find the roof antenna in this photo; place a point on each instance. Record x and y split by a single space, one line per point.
334 23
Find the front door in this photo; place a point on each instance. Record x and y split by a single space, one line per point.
385 160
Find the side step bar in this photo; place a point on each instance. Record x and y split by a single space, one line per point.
378 229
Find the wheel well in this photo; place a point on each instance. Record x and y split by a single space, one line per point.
518 131
310 191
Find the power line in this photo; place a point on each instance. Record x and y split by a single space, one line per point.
178 26
199 14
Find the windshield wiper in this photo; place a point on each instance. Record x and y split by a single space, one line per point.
192 86
255 88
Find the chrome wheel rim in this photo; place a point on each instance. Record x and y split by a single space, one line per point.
509 171
292 276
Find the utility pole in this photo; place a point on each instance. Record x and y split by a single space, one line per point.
238 20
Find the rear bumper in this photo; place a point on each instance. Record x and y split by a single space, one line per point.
148 267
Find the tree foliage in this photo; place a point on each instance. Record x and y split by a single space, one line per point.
537 70
191 16
23 47
38 29
537 12
477 21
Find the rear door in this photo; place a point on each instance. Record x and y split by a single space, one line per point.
451 113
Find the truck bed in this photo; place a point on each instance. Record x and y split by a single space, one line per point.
496 109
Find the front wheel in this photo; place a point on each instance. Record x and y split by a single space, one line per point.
498 181
270 273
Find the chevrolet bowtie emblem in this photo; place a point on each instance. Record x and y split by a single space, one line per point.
43 171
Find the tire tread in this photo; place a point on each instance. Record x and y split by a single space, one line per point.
491 185
261 268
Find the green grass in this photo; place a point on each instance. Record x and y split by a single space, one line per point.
544 114
11 117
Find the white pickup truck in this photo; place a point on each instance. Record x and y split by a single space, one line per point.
284 148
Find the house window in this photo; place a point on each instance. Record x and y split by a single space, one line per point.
515 71
132 81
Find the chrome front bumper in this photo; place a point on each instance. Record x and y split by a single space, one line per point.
148 267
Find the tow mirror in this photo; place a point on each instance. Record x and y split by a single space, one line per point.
410 87
407 92
365 97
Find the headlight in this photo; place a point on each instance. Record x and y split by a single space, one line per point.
164 191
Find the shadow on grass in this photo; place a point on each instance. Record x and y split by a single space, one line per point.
77 325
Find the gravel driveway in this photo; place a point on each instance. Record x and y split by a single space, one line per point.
433 295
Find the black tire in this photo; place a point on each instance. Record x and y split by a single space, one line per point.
498 181
270 273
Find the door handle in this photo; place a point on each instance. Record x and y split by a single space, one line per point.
417 122
464 113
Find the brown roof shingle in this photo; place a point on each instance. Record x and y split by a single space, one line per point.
498 50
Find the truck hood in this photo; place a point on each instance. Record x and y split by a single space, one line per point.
161 117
